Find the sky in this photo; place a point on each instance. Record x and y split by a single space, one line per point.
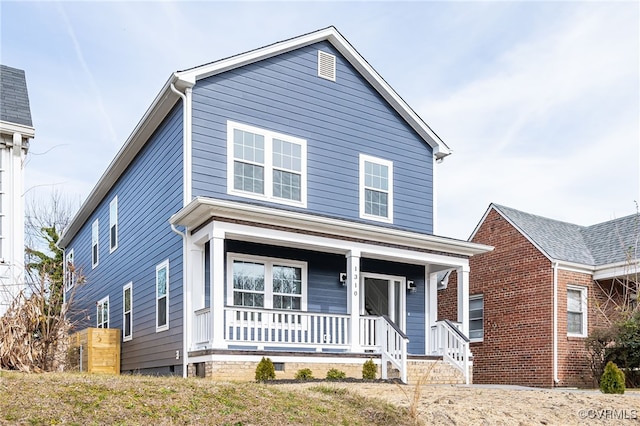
539 101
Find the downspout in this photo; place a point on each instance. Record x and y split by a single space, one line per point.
555 323
186 142
184 299
186 198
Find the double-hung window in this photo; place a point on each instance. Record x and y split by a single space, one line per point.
113 224
102 313
95 235
267 283
69 272
476 318
376 189
576 311
162 296
127 312
266 165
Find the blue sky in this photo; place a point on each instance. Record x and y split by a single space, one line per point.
540 101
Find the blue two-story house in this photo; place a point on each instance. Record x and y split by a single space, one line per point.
277 203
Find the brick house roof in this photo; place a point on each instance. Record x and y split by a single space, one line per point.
14 99
601 244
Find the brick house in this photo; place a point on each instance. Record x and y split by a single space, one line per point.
540 293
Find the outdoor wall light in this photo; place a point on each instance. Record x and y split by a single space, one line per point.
411 286
343 278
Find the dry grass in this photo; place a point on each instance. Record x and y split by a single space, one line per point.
80 399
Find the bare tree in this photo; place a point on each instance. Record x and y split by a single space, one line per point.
34 331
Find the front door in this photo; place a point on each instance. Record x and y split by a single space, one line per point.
384 295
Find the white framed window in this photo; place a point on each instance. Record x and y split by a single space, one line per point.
162 296
127 312
576 311
102 313
268 283
476 318
95 236
69 271
266 165
376 189
113 224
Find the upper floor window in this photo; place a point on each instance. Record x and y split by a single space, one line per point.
95 234
102 313
69 271
576 311
266 165
127 312
476 318
267 283
113 224
376 189
162 296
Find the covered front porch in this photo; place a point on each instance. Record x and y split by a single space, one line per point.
262 279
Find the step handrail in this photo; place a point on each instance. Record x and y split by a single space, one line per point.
393 347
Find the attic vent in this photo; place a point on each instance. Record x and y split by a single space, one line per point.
326 65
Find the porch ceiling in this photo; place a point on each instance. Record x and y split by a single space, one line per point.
202 210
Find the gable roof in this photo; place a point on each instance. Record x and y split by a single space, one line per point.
597 245
14 101
167 98
333 36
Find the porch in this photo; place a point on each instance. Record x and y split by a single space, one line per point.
280 331
261 279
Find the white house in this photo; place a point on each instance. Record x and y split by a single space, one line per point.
16 128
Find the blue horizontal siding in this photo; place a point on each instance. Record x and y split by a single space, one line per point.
149 192
339 120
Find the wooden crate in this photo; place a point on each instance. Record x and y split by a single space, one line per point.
99 350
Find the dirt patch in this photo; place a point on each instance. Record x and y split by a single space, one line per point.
474 405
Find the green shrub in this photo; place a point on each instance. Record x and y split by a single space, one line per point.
369 370
304 374
335 374
265 370
612 380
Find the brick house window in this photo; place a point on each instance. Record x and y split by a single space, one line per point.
576 311
476 318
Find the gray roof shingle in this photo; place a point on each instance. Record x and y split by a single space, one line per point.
14 98
600 244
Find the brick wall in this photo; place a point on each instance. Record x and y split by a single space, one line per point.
437 371
516 281
573 361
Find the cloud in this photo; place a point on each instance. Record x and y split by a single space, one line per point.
553 130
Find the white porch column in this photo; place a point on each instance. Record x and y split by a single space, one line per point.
196 277
217 288
353 298
431 306
463 298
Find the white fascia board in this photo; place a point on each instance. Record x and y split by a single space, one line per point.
201 209
618 269
331 34
153 117
11 128
575 267
331 245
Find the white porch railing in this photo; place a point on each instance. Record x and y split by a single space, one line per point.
202 327
286 328
447 340
393 347
262 328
